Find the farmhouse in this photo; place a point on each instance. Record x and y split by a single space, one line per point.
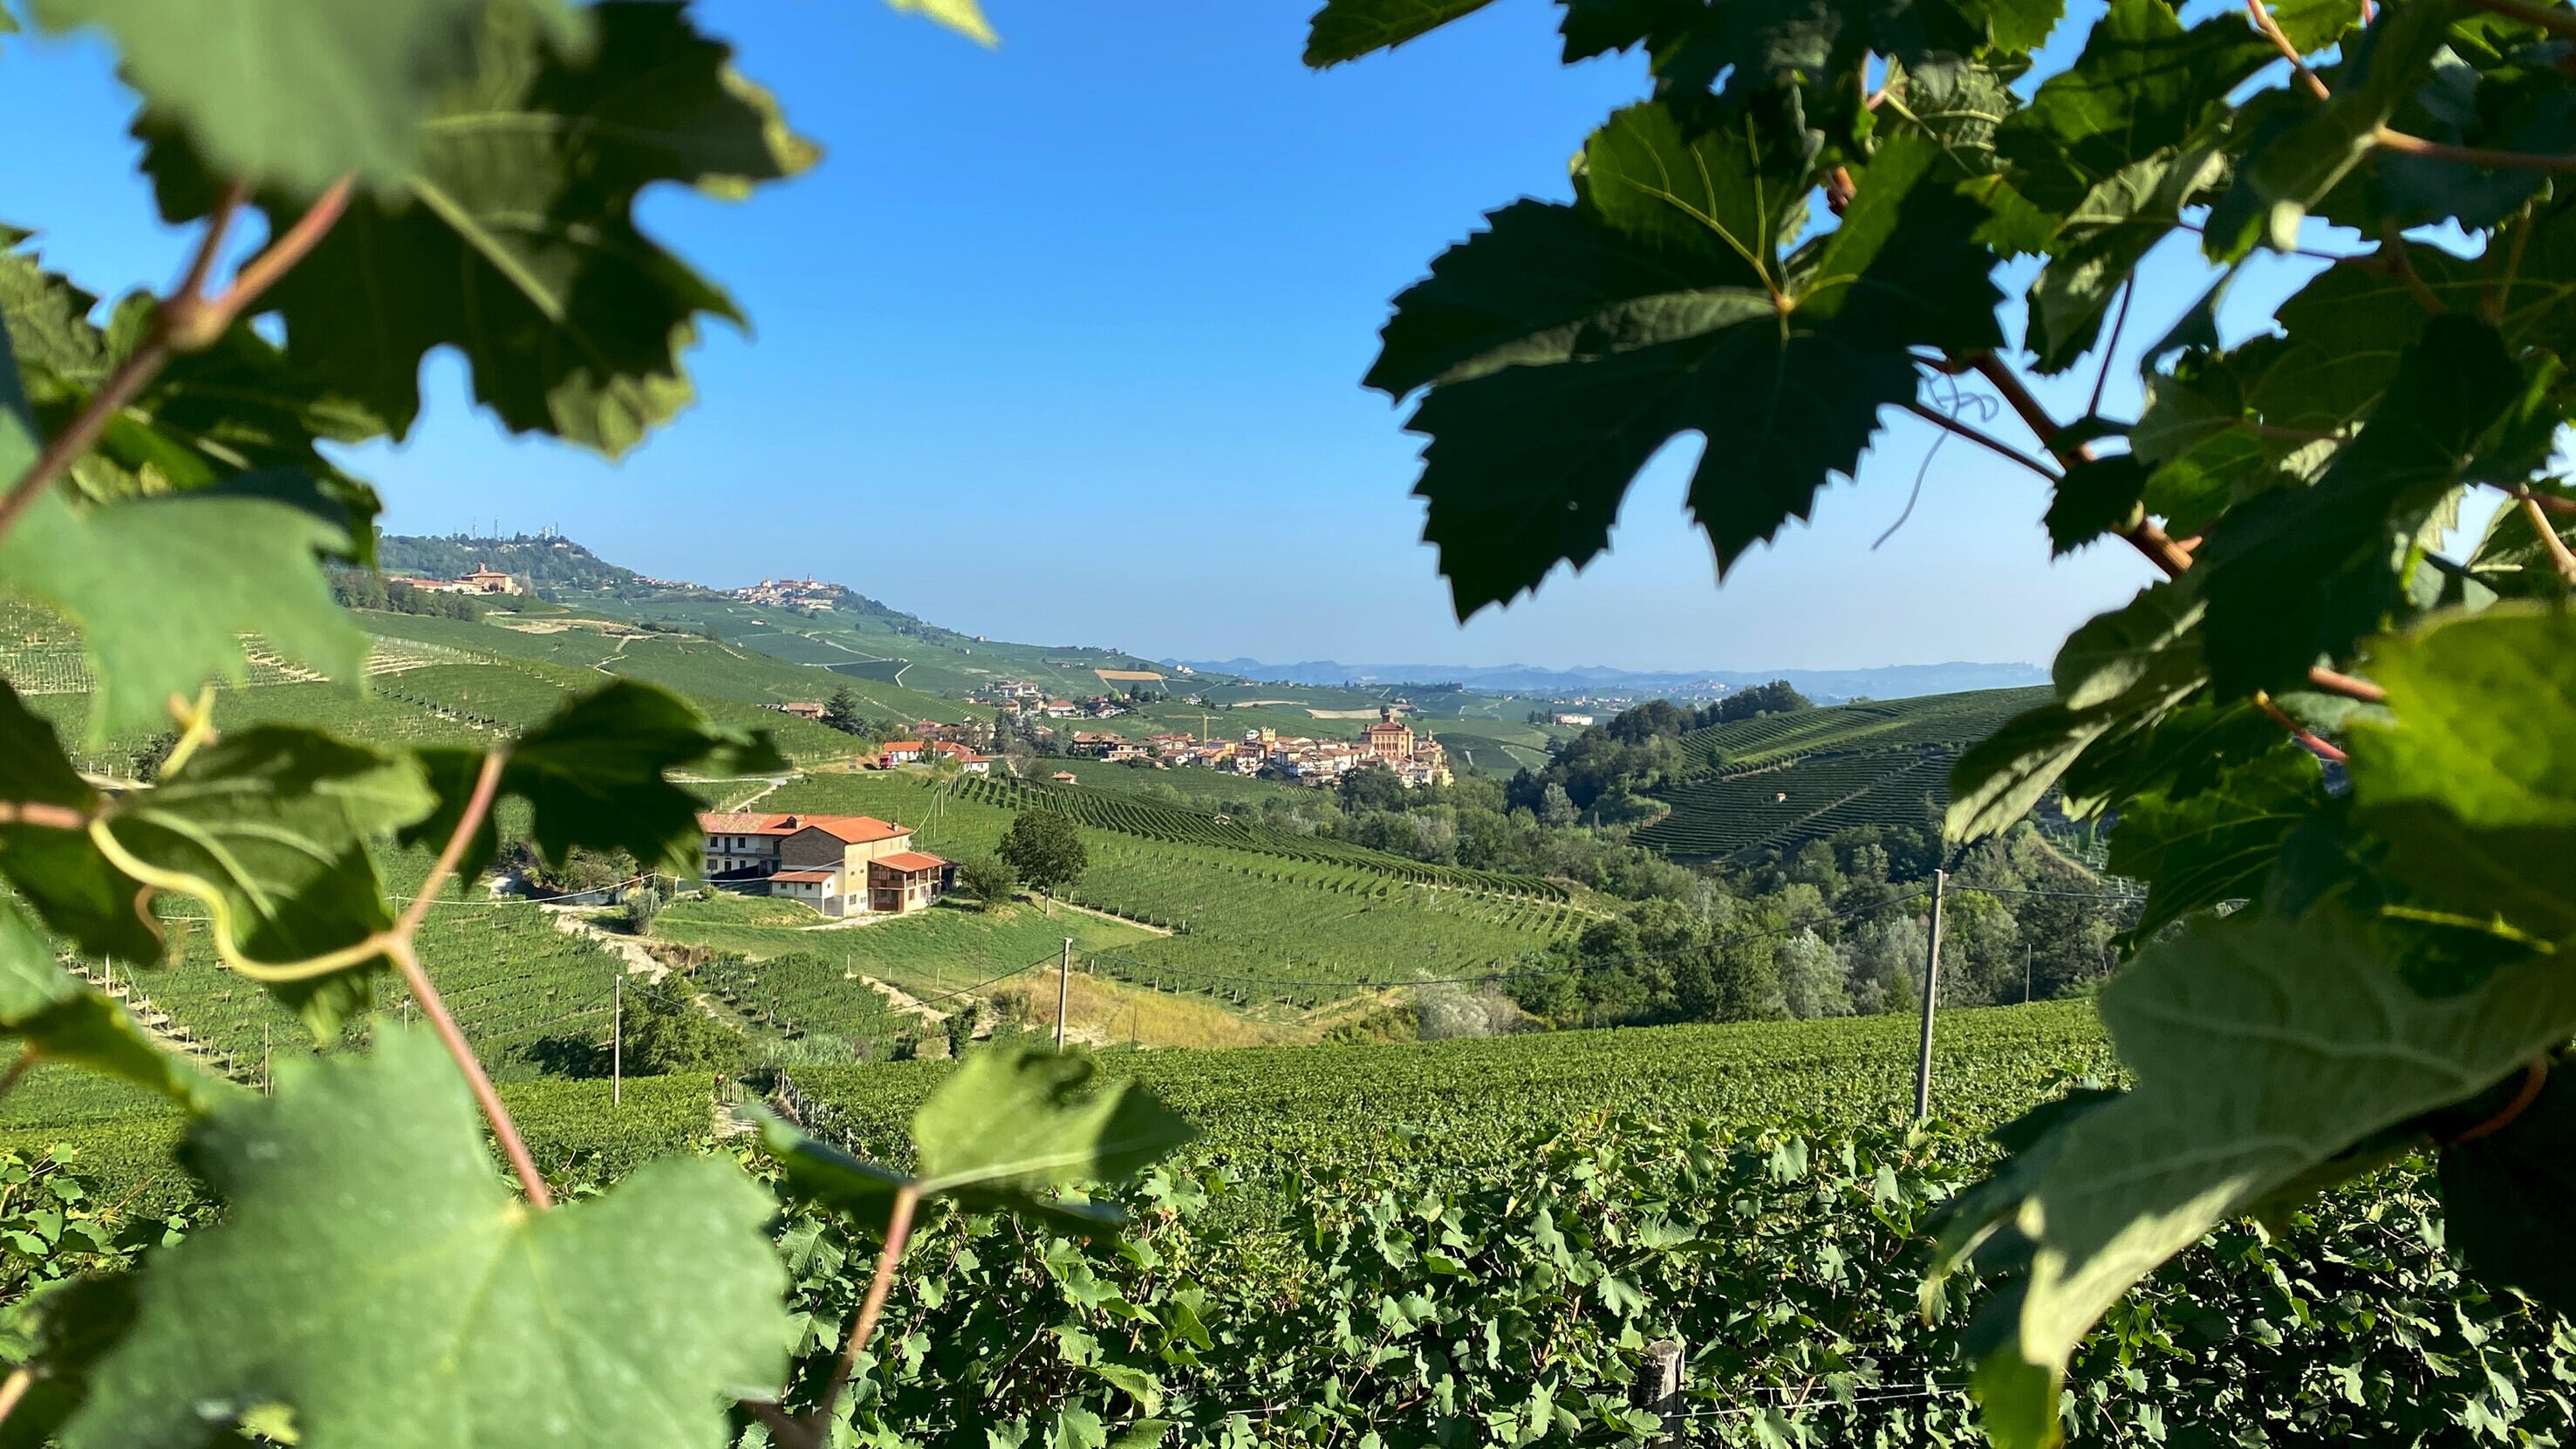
481 581
841 865
899 752
802 709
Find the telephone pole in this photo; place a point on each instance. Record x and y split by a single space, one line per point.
617 1037
1063 985
1931 999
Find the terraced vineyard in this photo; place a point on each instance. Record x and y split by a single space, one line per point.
1785 779
1949 721
803 994
1107 810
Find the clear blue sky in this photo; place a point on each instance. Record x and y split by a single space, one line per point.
1062 341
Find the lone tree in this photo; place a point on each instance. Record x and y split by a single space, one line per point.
1045 850
988 880
841 712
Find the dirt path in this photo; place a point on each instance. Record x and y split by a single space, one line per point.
639 962
904 1001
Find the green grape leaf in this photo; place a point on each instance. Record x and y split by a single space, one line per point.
2262 1049
1348 29
2117 675
514 238
1008 1130
595 774
2097 496
1009 1126
2176 756
268 828
2511 1188
2510 560
203 417
373 1274
163 587
2312 25
965 17
2097 248
2471 775
2222 427
2303 572
1817 42
60 1018
2217 842
48 856
2142 85
2303 149
1564 346
69 1325
287 95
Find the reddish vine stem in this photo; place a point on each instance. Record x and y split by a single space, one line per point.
2491 159
188 321
2119 324
18 1069
398 946
2271 29
898 1233
42 814
1982 439
2333 682
2549 501
2316 746
2393 245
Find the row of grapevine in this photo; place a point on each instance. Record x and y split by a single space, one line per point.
1112 810
1949 720
1782 808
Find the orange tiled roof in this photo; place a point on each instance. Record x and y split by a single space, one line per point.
909 861
851 829
806 875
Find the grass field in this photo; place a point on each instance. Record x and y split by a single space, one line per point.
1782 780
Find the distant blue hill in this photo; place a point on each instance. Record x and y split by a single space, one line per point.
1891 681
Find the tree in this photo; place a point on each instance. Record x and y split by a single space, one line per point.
643 904
841 712
2382 983
990 881
1556 808
668 1032
1045 850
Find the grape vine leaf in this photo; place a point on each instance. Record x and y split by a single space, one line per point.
2143 85
2097 496
2302 572
596 775
2325 1046
292 96
2470 776
514 238
966 17
1007 1130
203 417
2097 248
268 828
2298 155
2116 676
62 1019
1348 29
163 587
57 870
373 1273
2215 843
1566 344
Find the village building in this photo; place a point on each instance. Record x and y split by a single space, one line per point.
1388 741
964 758
481 581
900 752
841 865
802 709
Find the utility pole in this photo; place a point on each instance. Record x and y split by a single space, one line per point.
267 1083
1931 999
2025 974
617 1038
1063 985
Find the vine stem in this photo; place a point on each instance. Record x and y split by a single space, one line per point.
2271 29
187 321
898 1233
14 1389
398 947
2559 558
2549 501
1982 439
2171 557
2493 160
27 1058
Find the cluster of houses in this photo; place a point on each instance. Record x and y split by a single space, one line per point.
841 865
1414 759
802 593
481 581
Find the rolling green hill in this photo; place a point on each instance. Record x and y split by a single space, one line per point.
1775 782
